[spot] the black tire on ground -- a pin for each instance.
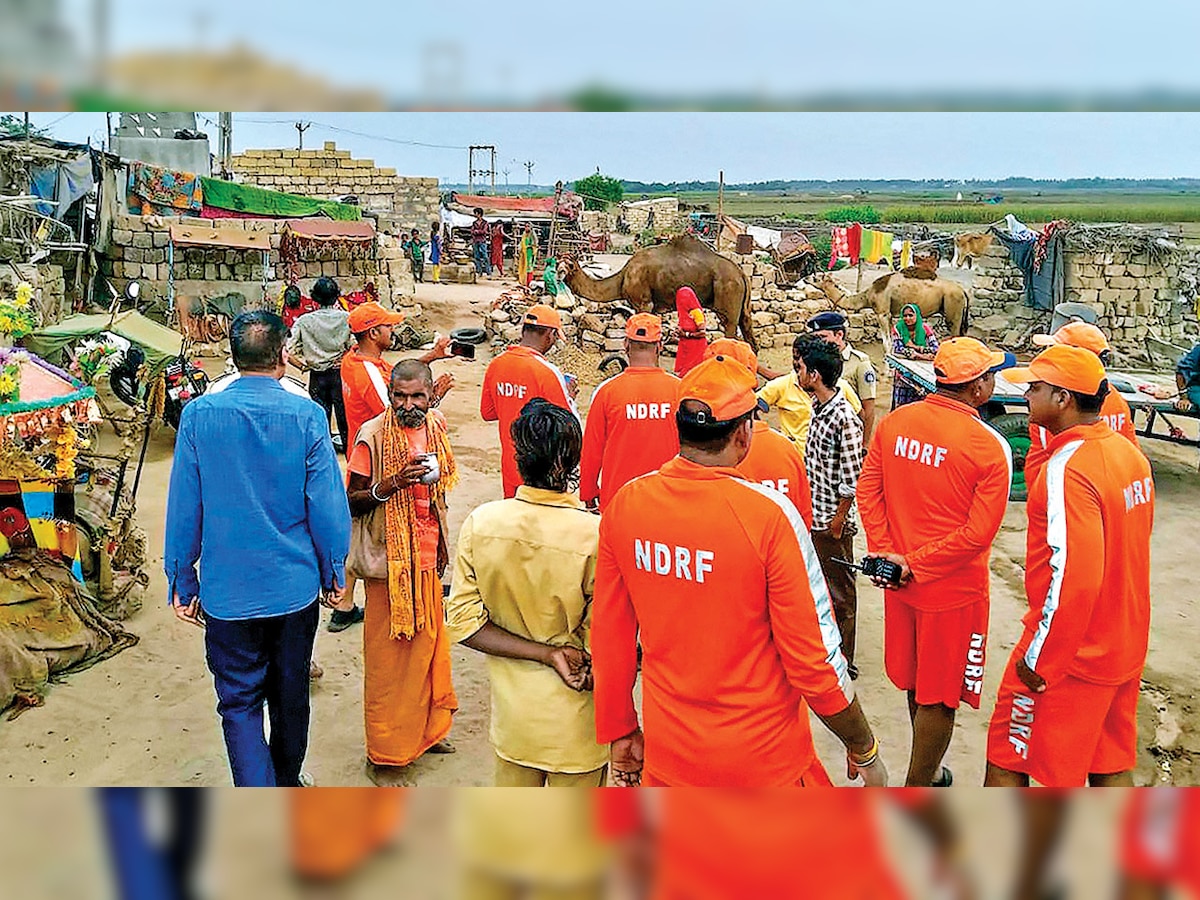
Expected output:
(616, 360)
(1014, 428)
(469, 335)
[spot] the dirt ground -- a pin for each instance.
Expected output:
(147, 716)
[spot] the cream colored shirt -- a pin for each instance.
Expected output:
(528, 564)
(796, 407)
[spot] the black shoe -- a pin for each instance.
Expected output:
(945, 778)
(853, 669)
(340, 621)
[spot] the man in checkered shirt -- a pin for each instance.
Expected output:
(834, 457)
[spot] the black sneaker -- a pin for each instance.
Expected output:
(853, 670)
(340, 621)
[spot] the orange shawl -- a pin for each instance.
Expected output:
(408, 612)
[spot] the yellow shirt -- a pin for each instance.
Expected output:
(795, 406)
(528, 564)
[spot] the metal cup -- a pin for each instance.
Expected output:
(431, 464)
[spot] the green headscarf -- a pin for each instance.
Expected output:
(919, 327)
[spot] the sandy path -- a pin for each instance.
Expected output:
(148, 715)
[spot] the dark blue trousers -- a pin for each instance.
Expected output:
(256, 662)
(145, 869)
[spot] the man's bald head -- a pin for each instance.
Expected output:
(412, 370)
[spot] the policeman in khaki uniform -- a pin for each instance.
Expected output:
(856, 365)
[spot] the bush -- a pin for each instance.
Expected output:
(867, 215)
(598, 191)
(823, 247)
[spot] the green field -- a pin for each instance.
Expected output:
(1078, 206)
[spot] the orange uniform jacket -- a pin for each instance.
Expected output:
(720, 578)
(360, 391)
(1115, 411)
(935, 488)
(1087, 565)
(630, 431)
(513, 378)
(774, 461)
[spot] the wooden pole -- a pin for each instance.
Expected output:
(720, 208)
(558, 189)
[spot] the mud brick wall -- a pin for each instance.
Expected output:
(329, 174)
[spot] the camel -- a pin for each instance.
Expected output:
(969, 246)
(888, 294)
(649, 279)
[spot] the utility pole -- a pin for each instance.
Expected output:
(301, 127)
(225, 150)
(490, 172)
(506, 181)
(529, 164)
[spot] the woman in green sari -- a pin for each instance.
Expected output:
(911, 339)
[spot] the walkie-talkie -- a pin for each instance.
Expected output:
(875, 567)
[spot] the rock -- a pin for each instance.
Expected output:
(590, 322)
(564, 301)
(500, 315)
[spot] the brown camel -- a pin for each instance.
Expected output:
(649, 279)
(890, 293)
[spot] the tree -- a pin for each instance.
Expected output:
(14, 126)
(599, 191)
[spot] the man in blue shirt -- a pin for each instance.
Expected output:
(257, 499)
(1187, 379)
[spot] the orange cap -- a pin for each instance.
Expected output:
(1075, 334)
(543, 315)
(367, 315)
(1063, 366)
(721, 383)
(739, 350)
(964, 359)
(644, 327)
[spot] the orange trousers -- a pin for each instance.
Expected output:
(408, 697)
(336, 829)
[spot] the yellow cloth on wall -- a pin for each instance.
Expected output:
(906, 254)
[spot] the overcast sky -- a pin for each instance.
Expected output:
(665, 146)
(541, 47)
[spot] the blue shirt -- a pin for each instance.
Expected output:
(1189, 367)
(257, 499)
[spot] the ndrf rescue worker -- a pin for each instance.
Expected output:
(518, 375)
(1066, 714)
(1115, 410)
(773, 460)
(932, 495)
(630, 426)
(719, 579)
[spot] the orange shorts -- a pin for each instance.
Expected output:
(1161, 832)
(939, 655)
(1074, 729)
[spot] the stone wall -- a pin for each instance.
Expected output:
(138, 250)
(49, 289)
(665, 209)
(1133, 296)
(404, 202)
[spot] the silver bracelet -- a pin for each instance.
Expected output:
(375, 496)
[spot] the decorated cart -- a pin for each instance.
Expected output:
(50, 578)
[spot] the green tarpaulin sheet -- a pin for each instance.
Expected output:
(246, 198)
(158, 342)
